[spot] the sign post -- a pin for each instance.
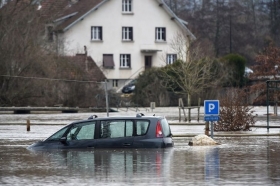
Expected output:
(211, 112)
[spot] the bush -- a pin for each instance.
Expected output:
(235, 113)
(149, 89)
(236, 69)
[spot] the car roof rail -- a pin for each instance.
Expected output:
(140, 115)
(93, 116)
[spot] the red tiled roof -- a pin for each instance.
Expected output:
(74, 67)
(53, 8)
(65, 8)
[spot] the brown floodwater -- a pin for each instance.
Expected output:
(237, 161)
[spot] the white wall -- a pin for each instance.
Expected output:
(147, 15)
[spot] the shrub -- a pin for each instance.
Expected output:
(236, 69)
(235, 113)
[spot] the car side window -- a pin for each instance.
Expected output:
(116, 128)
(141, 127)
(82, 131)
(57, 135)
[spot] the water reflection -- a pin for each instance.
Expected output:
(239, 161)
(212, 165)
(121, 166)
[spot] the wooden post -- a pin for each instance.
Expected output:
(189, 114)
(198, 109)
(152, 105)
(181, 105)
(28, 125)
(179, 114)
(207, 128)
(189, 105)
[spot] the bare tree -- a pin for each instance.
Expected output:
(20, 55)
(26, 57)
(235, 26)
(193, 72)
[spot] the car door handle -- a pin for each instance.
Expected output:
(126, 144)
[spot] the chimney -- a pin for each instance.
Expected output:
(85, 49)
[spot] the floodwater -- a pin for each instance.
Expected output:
(237, 161)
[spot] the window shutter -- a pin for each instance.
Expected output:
(108, 61)
(101, 33)
(121, 60)
(128, 62)
(131, 33)
(156, 34)
(91, 34)
(164, 34)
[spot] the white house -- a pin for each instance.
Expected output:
(124, 37)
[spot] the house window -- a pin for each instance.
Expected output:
(160, 34)
(125, 61)
(96, 33)
(127, 5)
(108, 61)
(127, 33)
(171, 58)
(115, 83)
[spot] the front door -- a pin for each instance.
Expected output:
(148, 62)
(81, 135)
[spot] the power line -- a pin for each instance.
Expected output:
(67, 80)
(51, 79)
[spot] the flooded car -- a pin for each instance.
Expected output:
(111, 132)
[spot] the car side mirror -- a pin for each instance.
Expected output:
(63, 140)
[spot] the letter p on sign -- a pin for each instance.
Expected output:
(211, 107)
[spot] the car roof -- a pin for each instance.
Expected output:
(138, 116)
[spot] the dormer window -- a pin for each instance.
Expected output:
(126, 6)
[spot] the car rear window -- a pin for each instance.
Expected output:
(165, 128)
(142, 127)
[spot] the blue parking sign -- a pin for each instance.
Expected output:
(211, 107)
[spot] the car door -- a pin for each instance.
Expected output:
(115, 134)
(81, 135)
(140, 136)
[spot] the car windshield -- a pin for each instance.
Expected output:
(57, 135)
(132, 82)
